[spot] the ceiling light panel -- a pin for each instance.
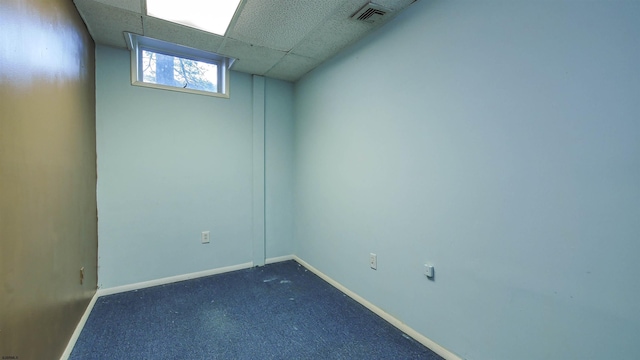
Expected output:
(213, 16)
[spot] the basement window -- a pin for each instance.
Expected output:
(163, 65)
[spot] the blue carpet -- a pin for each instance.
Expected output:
(279, 311)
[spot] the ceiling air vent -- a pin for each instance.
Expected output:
(371, 13)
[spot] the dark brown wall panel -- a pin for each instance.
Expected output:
(48, 227)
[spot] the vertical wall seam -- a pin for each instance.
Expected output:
(258, 198)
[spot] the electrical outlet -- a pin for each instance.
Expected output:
(428, 271)
(205, 237)
(373, 261)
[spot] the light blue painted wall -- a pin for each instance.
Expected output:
(171, 165)
(279, 167)
(499, 141)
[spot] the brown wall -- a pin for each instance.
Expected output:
(48, 227)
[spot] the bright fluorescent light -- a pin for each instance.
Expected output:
(209, 15)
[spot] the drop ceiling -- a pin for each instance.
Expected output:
(282, 39)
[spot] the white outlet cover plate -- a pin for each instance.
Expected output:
(205, 237)
(373, 261)
(428, 270)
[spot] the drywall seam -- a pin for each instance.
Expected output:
(258, 143)
(448, 355)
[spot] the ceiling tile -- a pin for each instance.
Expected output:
(251, 59)
(395, 5)
(292, 67)
(283, 39)
(181, 35)
(280, 24)
(336, 33)
(106, 24)
(341, 30)
(130, 5)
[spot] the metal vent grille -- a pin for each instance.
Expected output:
(371, 13)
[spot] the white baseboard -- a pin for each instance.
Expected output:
(448, 355)
(142, 285)
(279, 259)
(172, 279)
(78, 330)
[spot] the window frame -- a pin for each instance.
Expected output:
(138, 43)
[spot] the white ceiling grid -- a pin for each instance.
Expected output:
(283, 39)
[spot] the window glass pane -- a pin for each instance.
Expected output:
(178, 72)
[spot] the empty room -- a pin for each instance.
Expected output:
(339, 179)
